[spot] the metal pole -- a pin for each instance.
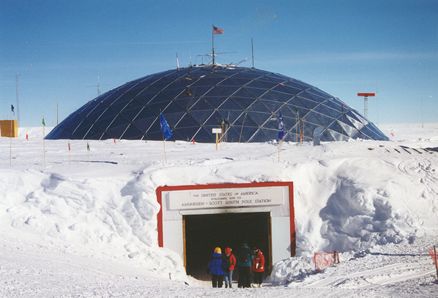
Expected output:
(252, 52)
(98, 85)
(212, 44)
(279, 149)
(241, 127)
(297, 129)
(365, 106)
(10, 146)
(164, 150)
(57, 115)
(177, 62)
(421, 112)
(44, 148)
(436, 261)
(17, 97)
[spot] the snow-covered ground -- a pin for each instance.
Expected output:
(83, 223)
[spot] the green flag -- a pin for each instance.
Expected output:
(43, 122)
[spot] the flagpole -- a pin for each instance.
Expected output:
(88, 152)
(17, 98)
(44, 145)
(212, 44)
(164, 150)
(252, 52)
(177, 62)
(10, 151)
(10, 147)
(167, 133)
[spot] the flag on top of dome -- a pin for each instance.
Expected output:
(217, 30)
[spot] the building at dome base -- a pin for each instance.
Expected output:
(248, 104)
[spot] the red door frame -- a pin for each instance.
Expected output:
(160, 189)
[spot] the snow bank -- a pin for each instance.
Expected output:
(107, 217)
(101, 203)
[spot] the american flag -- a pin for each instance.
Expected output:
(217, 30)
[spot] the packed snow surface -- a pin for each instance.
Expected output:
(83, 222)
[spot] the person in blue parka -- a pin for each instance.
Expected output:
(215, 268)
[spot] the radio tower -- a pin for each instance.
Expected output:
(365, 96)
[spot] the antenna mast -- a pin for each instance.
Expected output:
(177, 62)
(365, 101)
(98, 85)
(17, 98)
(252, 52)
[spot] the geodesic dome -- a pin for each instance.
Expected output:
(246, 103)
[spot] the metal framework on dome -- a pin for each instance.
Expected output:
(244, 102)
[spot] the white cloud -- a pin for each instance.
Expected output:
(354, 57)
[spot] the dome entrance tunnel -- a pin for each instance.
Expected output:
(205, 232)
(194, 219)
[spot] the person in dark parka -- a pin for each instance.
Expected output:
(215, 267)
(244, 262)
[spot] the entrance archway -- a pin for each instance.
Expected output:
(206, 231)
(193, 219)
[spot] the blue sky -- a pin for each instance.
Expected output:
(61, 48)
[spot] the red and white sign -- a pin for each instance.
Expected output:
(324, 260)
(273, 197)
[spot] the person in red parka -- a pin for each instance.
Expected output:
(258, 266)
(230, 264)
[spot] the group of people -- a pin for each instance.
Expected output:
(222, 266)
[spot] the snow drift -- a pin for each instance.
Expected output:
(349, 196)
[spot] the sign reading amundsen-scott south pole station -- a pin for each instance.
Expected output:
(224, 198)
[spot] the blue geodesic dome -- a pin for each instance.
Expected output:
(246, 103)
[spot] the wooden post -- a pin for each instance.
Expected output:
(435, 261)
(335, 257)
(217, 131)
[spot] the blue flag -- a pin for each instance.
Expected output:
(165, 128)
(281, 131)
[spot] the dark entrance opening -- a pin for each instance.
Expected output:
(205, 232)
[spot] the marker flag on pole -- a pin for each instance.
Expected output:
(88, 147)
(43, 122)
(69, 147)
(217, 30)
(12, 109)
(281, 132)
(165, 128)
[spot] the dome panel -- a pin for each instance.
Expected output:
(198, 98)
